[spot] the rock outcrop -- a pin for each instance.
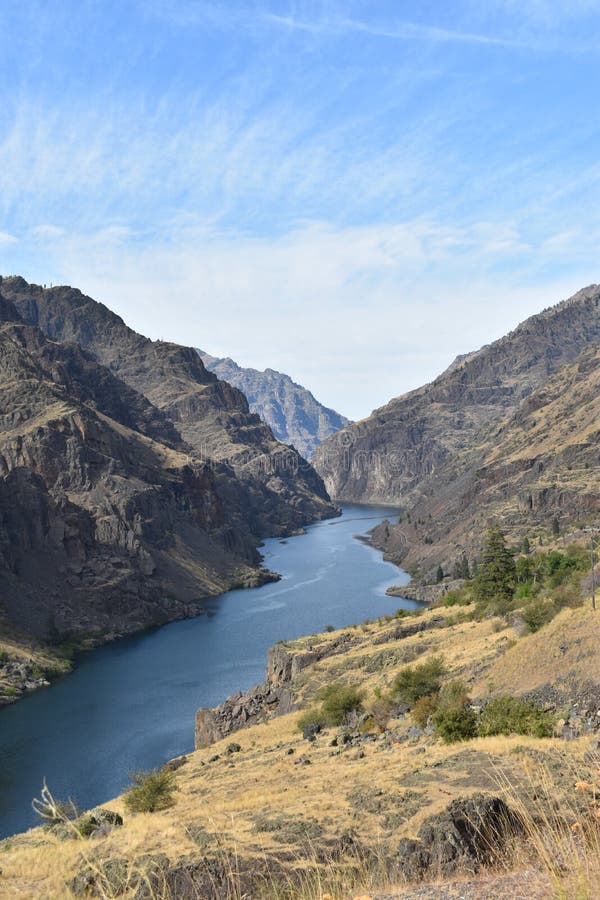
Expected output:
(275, 697)
(290, 410)
(111, 520)
(470, 834)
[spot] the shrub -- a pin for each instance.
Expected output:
(423, 709)
(51, 811)
(538, 613)
(415, 682)
(455, 724)
(339, 699)
(453, 695)
(380, 709)
(311, 721)
(151, 791)
(513, 715)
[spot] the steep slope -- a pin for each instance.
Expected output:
(108, 523)
(542, 463)
(290, 410)
(283, 492)
(387, 457)
(376, 807)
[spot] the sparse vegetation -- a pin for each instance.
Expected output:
(338, 700)
(151, 791)
(513, 715)
(414, 682)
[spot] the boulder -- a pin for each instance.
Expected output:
(471, 833)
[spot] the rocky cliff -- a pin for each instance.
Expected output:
(386, 457)
(508, 433)
(541, 464)
(111, 520)
(289, 409)
(283, 491)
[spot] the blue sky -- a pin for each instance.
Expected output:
(352, 192)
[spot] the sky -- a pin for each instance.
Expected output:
(350, 192)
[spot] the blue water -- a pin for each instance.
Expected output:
(130, 705)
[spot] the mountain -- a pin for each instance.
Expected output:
(291, 411)
(493, 436)
(132, 481)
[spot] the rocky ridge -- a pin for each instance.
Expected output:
(290, 410)
(507, 433)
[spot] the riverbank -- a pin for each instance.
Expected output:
(148, 686)
(26, 667)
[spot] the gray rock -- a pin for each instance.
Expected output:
(470, 833)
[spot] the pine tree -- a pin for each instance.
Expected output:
(555, 527)
(439, 576)
(496, 575)
(526, 546)
(464, 566)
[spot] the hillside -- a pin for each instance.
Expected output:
(374, 807)
(289, 409)
(541, 464)
(212, 418)
(110, 520)
(508, 434)
(386, 457)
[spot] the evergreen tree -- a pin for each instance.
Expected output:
(464, 567)
(526, 546)
(439, 576)
(496, 575)
(555, 527)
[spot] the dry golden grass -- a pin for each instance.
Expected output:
(564, 652)
(378, 790)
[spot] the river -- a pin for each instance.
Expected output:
(130, 705)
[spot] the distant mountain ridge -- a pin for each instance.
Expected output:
(290, 410)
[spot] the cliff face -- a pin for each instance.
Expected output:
(289, 409)
(541, 463)
(388, 456)
(110, 520)
(282, 491)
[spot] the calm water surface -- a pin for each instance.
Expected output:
(130, 705)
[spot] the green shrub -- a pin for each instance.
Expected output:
(151, 791)
(339, 699)
(313, 716)
(453, 695)
(415, 682)
(455, 724)
(513, 715)
(538, 613)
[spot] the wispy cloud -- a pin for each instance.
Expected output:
(398, 30)
(348, 311)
